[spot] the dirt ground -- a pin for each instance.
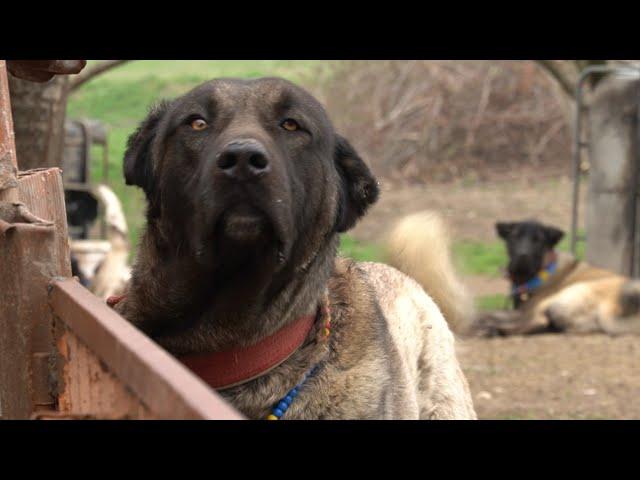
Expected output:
(552, 376)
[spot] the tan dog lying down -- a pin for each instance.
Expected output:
(556, 292)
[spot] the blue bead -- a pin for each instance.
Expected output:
(293, 392)
(283, 406)
(277, 412)
(288, 399)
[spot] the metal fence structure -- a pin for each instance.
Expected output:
(613, 210)
(64, 353)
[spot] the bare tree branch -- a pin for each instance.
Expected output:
(567, 84)
(88, 73)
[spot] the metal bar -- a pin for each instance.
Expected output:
(105, 163)
(166, 386)
(575, 199)
(86, 135)
(105, 179)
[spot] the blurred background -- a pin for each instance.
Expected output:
(478, 141)
(475, 140)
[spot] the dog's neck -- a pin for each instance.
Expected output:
(565, 265)
(228, 310)
(522, 292)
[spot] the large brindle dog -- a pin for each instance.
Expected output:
(555, 292)
(248, 188)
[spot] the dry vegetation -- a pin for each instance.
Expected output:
(424, 121)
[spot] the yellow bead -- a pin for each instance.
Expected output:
(544, 275)
(272, 417)
(326, 332)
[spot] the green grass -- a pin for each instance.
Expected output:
(564, 245)
(360, 251)
(477, 258)
(470, 257)
(121, 98)
(489, 258)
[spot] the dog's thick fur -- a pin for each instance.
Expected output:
(237, 246)
(578, 298)
(418, 245)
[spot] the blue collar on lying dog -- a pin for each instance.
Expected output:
(535, 282)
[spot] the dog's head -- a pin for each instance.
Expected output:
(527, 243)
(238, 166)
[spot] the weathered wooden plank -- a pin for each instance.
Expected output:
(156, 378)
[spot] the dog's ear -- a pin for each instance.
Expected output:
(552, 235)
(138, 162)
(358, 188)
(504, 229)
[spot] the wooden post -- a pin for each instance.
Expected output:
(33, 249)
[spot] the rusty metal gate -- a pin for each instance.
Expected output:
(63, 352)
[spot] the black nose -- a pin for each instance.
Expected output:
(243, 159)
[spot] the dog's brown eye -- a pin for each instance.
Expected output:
(199, 124)
(290, 124)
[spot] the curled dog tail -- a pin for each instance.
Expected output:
(419, 246)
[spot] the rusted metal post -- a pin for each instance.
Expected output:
(33, 249)
(8, 163)
(64, 353)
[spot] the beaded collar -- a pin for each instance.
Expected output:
(280, 408)
(522, 292)
(283, 405)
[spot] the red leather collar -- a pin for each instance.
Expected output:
(233, 367)
(239, 365)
